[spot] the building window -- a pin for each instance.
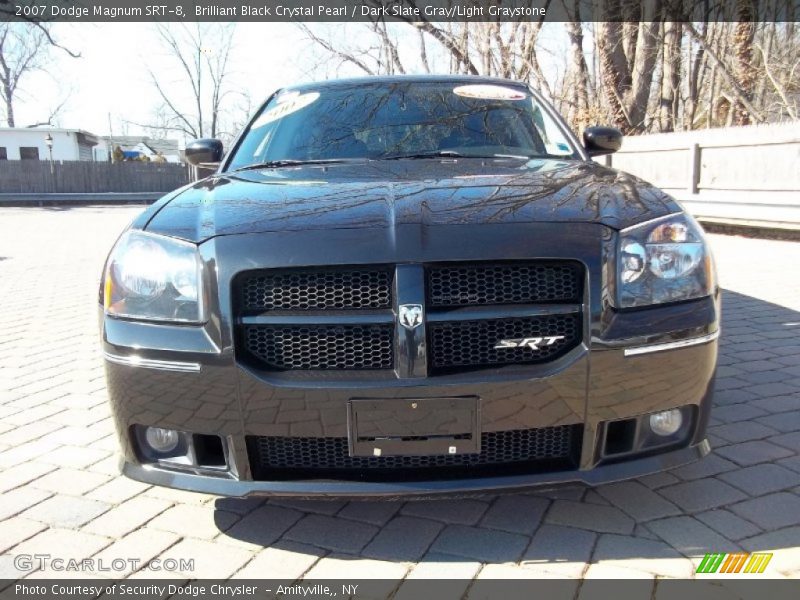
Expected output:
(29, 153)
(3, 153)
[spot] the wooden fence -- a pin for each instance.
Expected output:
(36, 177)
(734, 173)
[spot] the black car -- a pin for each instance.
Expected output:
(408, 286)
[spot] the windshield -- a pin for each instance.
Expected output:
(404, 119)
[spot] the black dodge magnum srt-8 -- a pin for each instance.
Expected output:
(408, 286)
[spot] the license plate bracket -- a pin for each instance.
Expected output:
(413, 426)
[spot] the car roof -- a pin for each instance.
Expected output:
(389, 79)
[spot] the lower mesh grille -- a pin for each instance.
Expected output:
(298, 347)
(502, 452)
(463, 344)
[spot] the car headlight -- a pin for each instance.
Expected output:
(664, 260)
(154, 278)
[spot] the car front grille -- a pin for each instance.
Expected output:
(344, 317)
(472, 344)
(322, 347)
(350, 288)
(502, 452)
(486, 284)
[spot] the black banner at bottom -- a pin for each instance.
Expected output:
(411, 589)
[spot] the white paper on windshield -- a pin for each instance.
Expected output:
(285, 107)
(489, 92)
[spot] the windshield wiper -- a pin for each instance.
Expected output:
(293, 162)
(432, 154)
(447, 154)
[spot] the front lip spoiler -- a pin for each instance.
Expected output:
(354, 489)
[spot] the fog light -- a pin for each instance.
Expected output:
(667, 422)
(161, 440)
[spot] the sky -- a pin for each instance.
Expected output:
(108, 89)
(111, 76)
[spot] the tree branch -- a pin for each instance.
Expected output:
(336, 52)
(737, 92)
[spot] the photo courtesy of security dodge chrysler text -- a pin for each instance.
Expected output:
(408, 286)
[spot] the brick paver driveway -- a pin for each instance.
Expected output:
(60, 492)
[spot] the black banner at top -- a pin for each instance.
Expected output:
(398, 10)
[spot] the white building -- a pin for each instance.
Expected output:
(20, 143)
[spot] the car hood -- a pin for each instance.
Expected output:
(428, 192)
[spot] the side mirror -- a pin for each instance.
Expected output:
(204, 153)
(602, 140)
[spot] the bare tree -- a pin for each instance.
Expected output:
(671, 67)
(506, 49)
(367, 60)
(53, 113)
(628, 52)
(781, 66)
(577, 84)
(725, 74)
(648, 67)
(743, 49)
(193, 103)
(25, 48)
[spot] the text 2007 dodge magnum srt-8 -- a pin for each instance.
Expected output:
(399, 285)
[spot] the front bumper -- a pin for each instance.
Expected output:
(401, 489)
(589, 387)
(628, 364)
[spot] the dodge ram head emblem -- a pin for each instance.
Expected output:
(534, 343)
(410, 315)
